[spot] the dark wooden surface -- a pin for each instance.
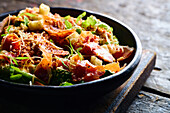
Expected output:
(149, 19)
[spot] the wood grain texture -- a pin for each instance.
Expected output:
(149, 103)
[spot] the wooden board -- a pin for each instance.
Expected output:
(149, 103)
(116, 101)
(130, 89)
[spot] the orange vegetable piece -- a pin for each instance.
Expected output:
(113, 67)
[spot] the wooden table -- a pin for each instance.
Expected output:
(150, 20)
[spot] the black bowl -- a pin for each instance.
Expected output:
(96, 88)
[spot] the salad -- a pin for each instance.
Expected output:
(41, 48)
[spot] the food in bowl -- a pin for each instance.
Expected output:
(41, 48)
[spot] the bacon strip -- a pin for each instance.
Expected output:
(95, 49)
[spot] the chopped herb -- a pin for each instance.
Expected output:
(15, 61)
(78, 31)
(68, 24)
(62, 62)
(67, 17)
(105, 26)
(71, 46)
(29, 14)
(80, 17)
(114, 37)
(3, 34)
(80, 48)
(106, 43)
(26, 21)
(90, 21)
(51, 41)
(15, 68)
(15, 77)
(93, 32)
(21, 58)
(111, 29)
(11, 71)
(27, 76)
(9, 27)
(71, 51)
(12, 59)
(65, 84)
(115, 40)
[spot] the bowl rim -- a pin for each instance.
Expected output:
(134, 62)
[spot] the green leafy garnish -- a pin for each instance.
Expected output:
(9, 27)
(62, 62)
(108, 28)
(68, 24)
(60, 75)
(3, 34)
(51, 41)
(12, 59)
(27, 76)
(90, 21)
(15, 77)
(73, 51)
(80, 48)
(78, 31)
(115, 40)
(111, 29)
(28, 14)
(21, 58)
(71, 48)
(107, 43)
(65, 84)
(67, 17)
(15, 68)
(26, 21)
(93, 32)
(80, 17)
